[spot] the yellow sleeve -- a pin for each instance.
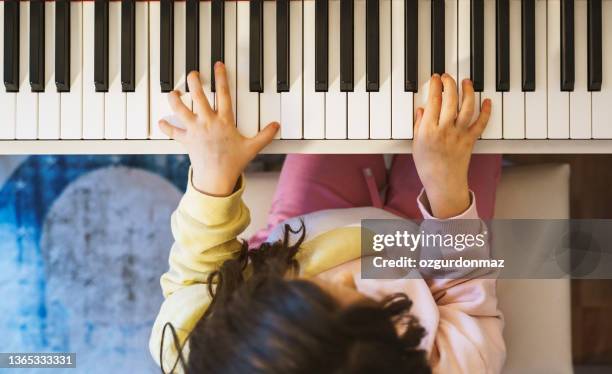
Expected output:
(205, 230)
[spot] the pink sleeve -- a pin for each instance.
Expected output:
(468, 337)
(470, 213)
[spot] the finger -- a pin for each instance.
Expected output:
(224, 100)
(480, 124)
(172, 132)
(178, 106)
(434, 101)
(418, 117)
(264, 137)
(467, 106)
(448, 115)
(200, 101)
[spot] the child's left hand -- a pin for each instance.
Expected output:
(218, 152)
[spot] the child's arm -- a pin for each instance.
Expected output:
(467, 336)
(211, 213)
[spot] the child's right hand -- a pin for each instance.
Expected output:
(443, 141)
(217, 151)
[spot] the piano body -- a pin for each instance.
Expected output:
(342, 76)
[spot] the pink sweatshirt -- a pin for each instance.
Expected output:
(463, 323)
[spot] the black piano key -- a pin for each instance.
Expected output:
(282, 45)
(347, 24)
(321, 45)
(594, 44)
(256, 45)
(192, 38)
(128, 45)
(101, 45)
(62, 45)
(528, 45)
(567, 45)
(437, 37)
(217, 50)
(37, 45)
(411, 45)
(477, 44)
(166, 45)
(11, 45)
(372, 45)
(502, 43)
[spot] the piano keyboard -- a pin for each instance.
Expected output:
(339, 75)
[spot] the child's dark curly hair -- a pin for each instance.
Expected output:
(269, 322)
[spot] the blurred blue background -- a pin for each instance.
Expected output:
(83, 242)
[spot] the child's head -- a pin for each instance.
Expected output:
(271, 321)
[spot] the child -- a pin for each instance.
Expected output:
(295, 303)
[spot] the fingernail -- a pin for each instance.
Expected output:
(436, 75)
(218, 64)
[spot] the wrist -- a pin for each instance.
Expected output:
(213, 186)
(450, 204)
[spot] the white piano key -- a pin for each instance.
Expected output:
(380, 102)
(205, 47)
(601, 101)
(27, 101)
(49, 101)
(401, 101)
(71, 103)
(158, 100)
(558, 101)
(269, 100)
(536, 101)
(291, 102)
(420, 98)
(137, 102)
(463, 41)
(247, 103)
(314, 102)
(230, 49)
(450, 37)
(115, 102)
(514, 100)
(335, 100)
(7, 99)
(93, 102)
(580, 98)
(464, 51)
(358, 100)
(494, 127)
